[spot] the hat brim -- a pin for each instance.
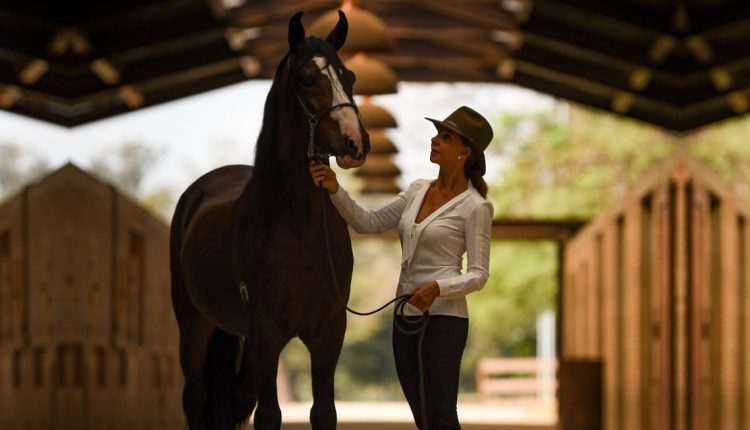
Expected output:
(478, 154)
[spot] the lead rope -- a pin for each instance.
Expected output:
(401, 302)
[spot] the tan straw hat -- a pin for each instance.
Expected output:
(474, 128)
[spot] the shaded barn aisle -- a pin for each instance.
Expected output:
(656, 290)
(87, 334)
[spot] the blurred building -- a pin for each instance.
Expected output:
(655, 304)
(88, 338)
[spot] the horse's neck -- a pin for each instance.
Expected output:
(286, 185)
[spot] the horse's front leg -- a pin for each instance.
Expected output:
(265, 364)
(325, 348)
(245, 396)
(194, 338)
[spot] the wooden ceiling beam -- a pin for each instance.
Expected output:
(651, 18)
(155, 11)
(604, 94)
(108, 42)
(494, 18)
(585, 20)
(179, 44)
(470, 46)
(79, 110)
(718, 16)
(256, 14)
(550, 31)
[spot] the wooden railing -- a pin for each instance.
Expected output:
(516, 380)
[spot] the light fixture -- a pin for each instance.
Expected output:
(105, 71)
(374, 116)
(622, 102)
(373, 76)
(251, 66)
(237, 38)
(366, 32)
(69, 39)
(640, 78)
(661, 48)
(512, 39)
(738, 102)
(9, 95)
(506, 69)
(33, 71)
(721, 78)
(699, 47)
(131, 96)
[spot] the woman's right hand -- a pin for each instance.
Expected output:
(323, 176)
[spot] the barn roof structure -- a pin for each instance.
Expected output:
(679, 64)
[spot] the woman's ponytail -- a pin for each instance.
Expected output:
(470, 170)
(478, 182)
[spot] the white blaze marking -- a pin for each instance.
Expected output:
(345, 115)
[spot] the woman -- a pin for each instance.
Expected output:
(438, 222)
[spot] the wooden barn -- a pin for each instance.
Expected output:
(88, 339)
(656, 290)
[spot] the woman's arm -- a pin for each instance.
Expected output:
(362, 220)
(478, 234)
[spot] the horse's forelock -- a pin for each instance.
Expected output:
(314, 46)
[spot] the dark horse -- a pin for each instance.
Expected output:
(248, 254)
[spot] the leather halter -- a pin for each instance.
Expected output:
(314, 118)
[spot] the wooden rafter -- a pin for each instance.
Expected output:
(629, 56)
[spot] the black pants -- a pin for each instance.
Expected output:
(442, 348)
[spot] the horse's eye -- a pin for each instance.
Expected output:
(307, 81)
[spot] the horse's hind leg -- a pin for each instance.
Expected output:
(194, 339)
(325, 349)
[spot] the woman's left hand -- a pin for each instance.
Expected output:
(423, 296)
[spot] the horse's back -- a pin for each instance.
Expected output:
(217, 188)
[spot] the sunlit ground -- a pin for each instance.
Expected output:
(397, 416)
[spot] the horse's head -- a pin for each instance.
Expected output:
(324, 90)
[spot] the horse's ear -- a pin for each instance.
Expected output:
(337, 37)
(296, 32)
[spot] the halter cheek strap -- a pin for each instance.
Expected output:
(313, 119)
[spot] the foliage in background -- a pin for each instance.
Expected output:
(725, 149)
(522, 284)
(19, 167)
(127, 167)
(574, 166)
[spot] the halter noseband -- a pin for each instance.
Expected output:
(313, 119)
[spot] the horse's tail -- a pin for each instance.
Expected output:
(221, 380)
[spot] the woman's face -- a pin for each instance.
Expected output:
(447, 147)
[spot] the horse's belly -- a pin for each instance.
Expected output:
(207, 265)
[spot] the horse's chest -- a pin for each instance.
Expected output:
(303, 242)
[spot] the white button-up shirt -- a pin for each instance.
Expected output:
(433, 249)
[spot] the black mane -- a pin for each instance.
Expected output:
(284, 127)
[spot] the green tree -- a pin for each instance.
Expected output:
(724, 149)
(574, 167)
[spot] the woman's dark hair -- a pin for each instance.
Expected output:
(471, 172)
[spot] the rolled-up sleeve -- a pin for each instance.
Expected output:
(478, 233)
(369, 221)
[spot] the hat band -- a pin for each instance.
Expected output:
(457, 129)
